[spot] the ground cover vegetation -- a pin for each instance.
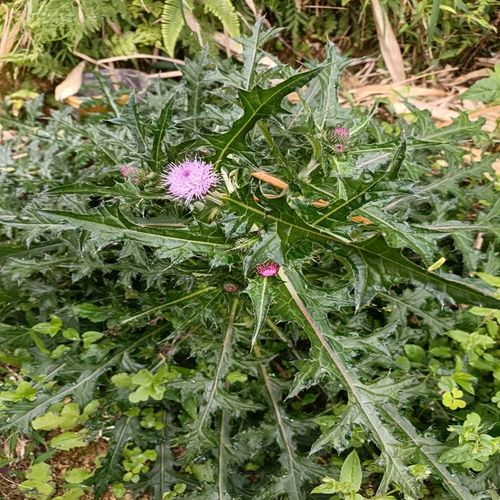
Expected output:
(45, 38)
(233, 287)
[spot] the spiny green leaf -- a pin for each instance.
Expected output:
(316, 325)
(157, 154)
(399, 234)
(111, 223)
(258, 291)
(257, 103)
(374, 262)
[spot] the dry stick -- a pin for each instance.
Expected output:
(126, 58)
(165, 74)
(389, 47)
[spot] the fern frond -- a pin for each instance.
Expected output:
(172, 22)
(224, 11)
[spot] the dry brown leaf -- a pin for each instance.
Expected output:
(9, 34)
(389, 46)
(7, 135)
(395, 90)
(361, 220)
(269, 179)
(193, 25)
(474, 75)
(252, 7)
(71, 84)
(496, 166)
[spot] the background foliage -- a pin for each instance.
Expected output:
(368, 368)
(41, 36)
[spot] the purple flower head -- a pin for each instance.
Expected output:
(127, 171)
(191, 179)
(341, 133)
(268, 269)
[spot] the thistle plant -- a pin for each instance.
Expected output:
(190, 180)
(272, 329)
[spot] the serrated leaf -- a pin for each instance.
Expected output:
(177, 244)
(399, 234)
(430, 450)
(258, 290)
(315, 324)
(124, 430)
(119, 190)
(374, 263)
(485, 90)
(257, 103)
(157, 154)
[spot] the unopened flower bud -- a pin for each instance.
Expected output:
(230, 288)
(339, 148)
(340, 134)
(127, 171)
(268, 269)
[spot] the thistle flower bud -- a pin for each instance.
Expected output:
(340, 133)
(268, 269)
(230, 287)
(127, 171)
(339, 148)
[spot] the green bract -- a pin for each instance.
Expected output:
(207, 374)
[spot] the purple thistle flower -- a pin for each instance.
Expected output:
(268, 269)
(191, 179)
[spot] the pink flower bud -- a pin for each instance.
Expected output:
(341, 133)
(268, 269)
(127, 171)
(230, 287)
(338, 148)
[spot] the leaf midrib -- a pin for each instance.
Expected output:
(69, 216)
